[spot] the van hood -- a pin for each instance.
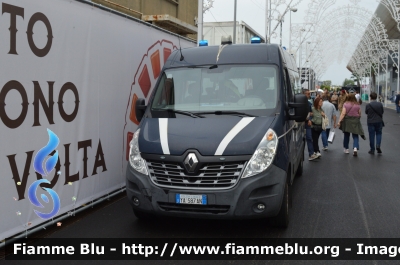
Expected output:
(228, 136)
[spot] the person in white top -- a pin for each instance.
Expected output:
(330, 112)
(358, 96)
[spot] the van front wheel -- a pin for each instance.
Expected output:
(282, 219)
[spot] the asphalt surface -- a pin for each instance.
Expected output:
(338, 196)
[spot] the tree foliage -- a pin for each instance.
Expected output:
(348, 82)
(327, 83)
(354, 78)
(323, 87)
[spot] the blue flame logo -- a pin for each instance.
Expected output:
(44, 152)
(50, 163)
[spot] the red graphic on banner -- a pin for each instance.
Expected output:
(167, 53)
(155, 63)
(132, 115)
(144, 81)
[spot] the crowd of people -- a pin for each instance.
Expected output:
(322, 120)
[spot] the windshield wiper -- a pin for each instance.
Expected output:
(196, 66)
(220, 112)
(193, 115)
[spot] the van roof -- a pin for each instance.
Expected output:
(230, 54)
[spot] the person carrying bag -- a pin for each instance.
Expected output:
(329, 121)
(317, 124)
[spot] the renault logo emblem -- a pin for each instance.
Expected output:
(191, 162)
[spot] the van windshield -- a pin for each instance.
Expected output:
(249, 89)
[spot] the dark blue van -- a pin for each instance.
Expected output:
(221, 137)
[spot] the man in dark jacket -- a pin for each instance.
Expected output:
(374, 111)
(397, 101)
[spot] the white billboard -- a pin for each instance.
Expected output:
(73, 70)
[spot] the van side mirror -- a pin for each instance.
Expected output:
(300, 106)
(140, 108)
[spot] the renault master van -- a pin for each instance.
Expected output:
(222, 135)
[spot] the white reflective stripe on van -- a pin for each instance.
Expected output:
(163, 128)
(232, 133)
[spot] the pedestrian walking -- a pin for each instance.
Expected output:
(308, 123)
(342, 99)
(329, 110)
(318, 115)
(334, 100)
(397, 102)
(349, 122)
(326, 92)
(374, 111)
(358, 97)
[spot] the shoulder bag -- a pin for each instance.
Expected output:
(383, 123)
(318, 127)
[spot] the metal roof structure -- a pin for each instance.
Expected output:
(390, 25)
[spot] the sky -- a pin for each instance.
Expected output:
(252, 12)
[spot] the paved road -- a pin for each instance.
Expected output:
(337, 196)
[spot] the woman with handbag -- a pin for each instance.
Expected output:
(317, 120)
(349, 122)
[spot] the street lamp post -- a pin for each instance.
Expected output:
(291, 9)
(379, 77)
(398, 70)
(290, 28)
(307, 61)
(370, 83)
(234, 24)
(386, 77)
(199, 22)
(300, 59)
(266, 22)
(281, 20)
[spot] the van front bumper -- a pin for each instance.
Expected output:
(240, 202)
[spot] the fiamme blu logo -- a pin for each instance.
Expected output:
(43, 164)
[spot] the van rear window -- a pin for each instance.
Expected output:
(218, 88)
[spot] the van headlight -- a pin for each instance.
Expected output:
(263, 156)
(135, 159)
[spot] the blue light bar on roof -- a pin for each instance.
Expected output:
(203, 43)
(256, 40)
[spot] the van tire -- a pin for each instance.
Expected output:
(282, 219)
(299, 171)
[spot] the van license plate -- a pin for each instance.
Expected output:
(191, 199)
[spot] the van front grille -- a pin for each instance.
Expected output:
(210, 175)
(213, 209)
